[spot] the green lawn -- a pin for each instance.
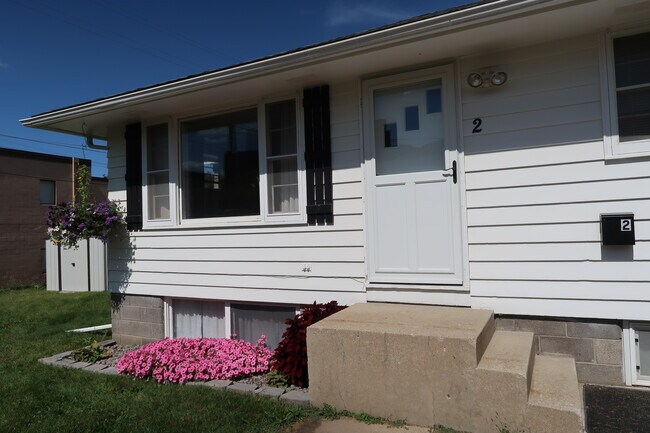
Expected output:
(39, 398)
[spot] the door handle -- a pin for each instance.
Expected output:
(454, 171)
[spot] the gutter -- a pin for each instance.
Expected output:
(289, 60)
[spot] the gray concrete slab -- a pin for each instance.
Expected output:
(96, 367)
(242, 387)
(219, 383)
(296, 397)
(110, 371)
(270, 391)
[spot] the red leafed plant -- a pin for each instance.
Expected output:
(291, 354)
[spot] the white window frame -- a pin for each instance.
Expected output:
(630, 353)
(148, 223)
(614, 148)
(301, 215)
(264, 218)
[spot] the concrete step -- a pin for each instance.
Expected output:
(502, 381)
(554, 403)
(399, 361)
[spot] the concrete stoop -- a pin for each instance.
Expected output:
(440, 366)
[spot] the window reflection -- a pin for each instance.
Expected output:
(220, 167)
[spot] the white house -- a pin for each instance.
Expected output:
(464, 157)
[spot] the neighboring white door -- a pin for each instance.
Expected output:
(74, 268)
(414, 225)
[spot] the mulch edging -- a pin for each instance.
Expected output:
(245, 386)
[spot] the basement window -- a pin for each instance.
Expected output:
(213, 319)
(196, 319)
(636, 343)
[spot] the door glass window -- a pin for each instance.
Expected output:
(409, 129)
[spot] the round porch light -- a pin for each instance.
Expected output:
(475, 80)
(498, 78)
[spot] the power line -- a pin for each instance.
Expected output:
(71, 146)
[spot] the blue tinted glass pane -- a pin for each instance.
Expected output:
(390, 135)
(411, 118)
(434, 101)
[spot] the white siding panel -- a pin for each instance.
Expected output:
(562, 271)
(542, 136)
(252, 240)
(305, 254)
(268, 295)
(539, 156)
(543, 118)
(240, 281)
(549, 252)
(321, 269)
(537, 182)
(536, 101)
(594, 290)
(593, 171)
(627, 189)
(555, 213)
(548, 233)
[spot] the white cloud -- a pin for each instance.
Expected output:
(342, 14)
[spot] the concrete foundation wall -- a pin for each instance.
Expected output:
(137, 319)
(597, 347)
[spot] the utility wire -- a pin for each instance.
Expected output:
(71, 146)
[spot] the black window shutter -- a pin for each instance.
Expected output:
(133, 176)
(318, 155)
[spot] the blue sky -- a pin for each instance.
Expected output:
(59, 53)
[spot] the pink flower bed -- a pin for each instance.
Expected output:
(181, 360)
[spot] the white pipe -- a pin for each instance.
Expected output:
(92, 328)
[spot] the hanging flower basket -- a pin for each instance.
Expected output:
(67, 224)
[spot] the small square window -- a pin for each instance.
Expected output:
(412, 118)
(48, 192)
(434, 101)
(390, 135)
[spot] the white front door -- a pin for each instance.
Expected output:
(414, 225)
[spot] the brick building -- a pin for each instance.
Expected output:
(29, 183)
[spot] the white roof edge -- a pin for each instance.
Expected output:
(291, 59)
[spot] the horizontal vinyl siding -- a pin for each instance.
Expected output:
(256, 263)
(537, 182)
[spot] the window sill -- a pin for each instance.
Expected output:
(230, 223)
(617, 150)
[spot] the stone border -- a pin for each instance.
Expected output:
(290, 396)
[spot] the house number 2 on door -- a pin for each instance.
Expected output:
(477, 125)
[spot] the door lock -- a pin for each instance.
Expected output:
(454, 171)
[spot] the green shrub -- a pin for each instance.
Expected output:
(92, 353)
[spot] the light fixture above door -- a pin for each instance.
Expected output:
(487, 78)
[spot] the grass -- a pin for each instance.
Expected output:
(40, 398)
